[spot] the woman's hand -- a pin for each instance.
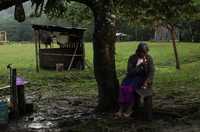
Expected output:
(144, 60)
(140, 61)
(145, 85)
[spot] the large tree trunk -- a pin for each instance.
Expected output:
(104, 56)
(173, 34)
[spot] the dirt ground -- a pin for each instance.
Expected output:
(75, 114)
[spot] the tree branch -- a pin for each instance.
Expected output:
(4, 4)
(89, 3)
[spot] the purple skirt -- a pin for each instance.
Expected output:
(128, 89)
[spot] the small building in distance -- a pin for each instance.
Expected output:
(121, 36)
(69, 52)
(163, 34)
(3, 37)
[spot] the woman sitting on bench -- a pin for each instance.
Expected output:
(139, 75)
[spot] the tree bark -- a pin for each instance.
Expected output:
(173, 34)
(104, 56)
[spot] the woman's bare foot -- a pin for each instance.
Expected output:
(127, 114)
(118, 115)
(129, 111)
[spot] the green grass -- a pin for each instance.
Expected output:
(183, 84)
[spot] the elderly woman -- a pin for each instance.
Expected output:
(140, 74)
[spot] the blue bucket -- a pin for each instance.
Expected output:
(3, 112)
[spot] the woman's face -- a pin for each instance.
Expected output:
(142, 54)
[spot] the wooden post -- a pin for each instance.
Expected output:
(5, 36)
(21, 99)
(39, 39)
(13, 97)
(148, 108)
(36, 50)
(73, 57)
(83, 53)
(146, 95)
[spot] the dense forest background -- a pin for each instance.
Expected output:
(189, 30)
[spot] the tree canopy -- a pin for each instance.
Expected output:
(105, 14)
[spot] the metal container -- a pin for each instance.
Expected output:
(3, 112)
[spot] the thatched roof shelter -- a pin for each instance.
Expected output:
(71, 52)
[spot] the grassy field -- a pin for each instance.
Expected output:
(167, 78)
(174, 90)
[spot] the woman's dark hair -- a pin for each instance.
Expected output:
(142, 47)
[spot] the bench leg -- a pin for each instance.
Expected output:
(137, 101)
(148, 108)
(21, 100)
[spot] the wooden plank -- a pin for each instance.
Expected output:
(144, 92)
(36, 50)
(72, 60)
(5, 87)
(55, 54)
(8, 86)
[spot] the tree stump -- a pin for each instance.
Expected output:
(59, 67)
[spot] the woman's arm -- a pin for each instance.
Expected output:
(150, 72)
(131, 68)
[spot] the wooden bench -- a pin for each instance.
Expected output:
(146, 96)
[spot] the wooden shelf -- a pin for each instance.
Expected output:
(54, 54)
